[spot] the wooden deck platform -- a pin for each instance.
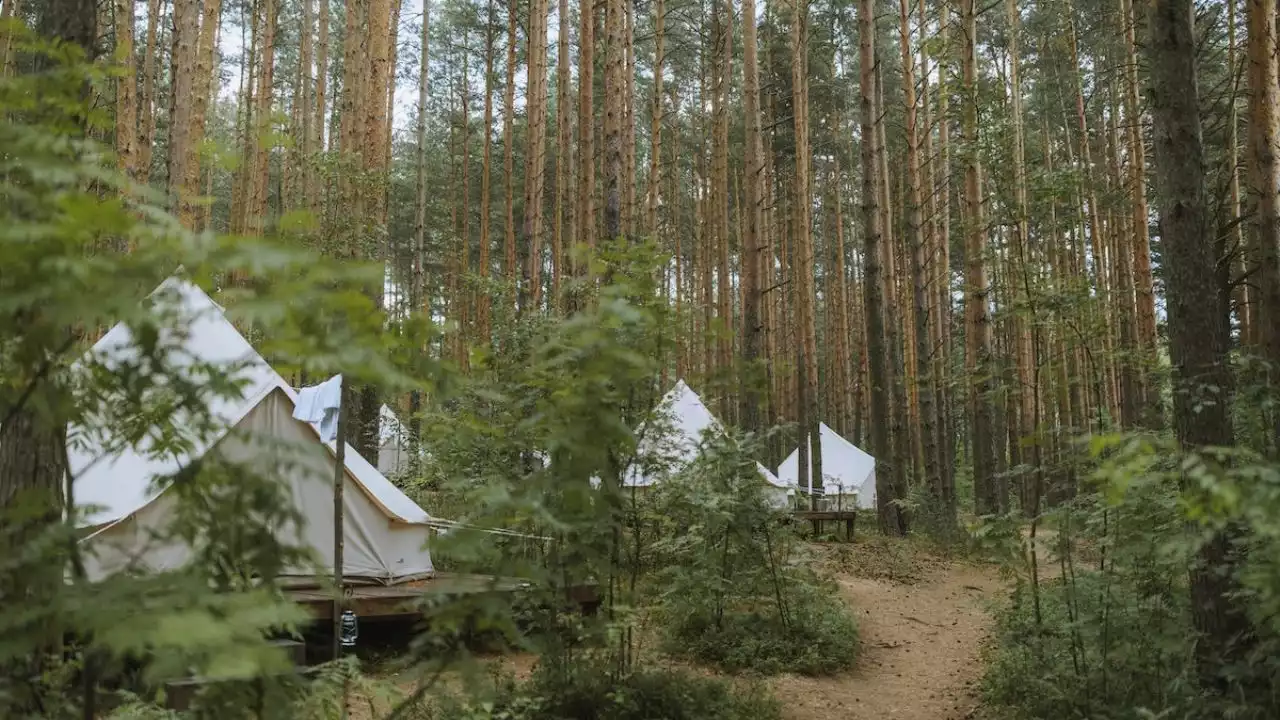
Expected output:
(387, 601)
(817, 517)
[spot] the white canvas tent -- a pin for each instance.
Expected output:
(849, 473)
(688, 420)
(385, 532)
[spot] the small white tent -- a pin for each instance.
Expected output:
(688, 419)
(385, 532)
(394, 443)
(846, 470)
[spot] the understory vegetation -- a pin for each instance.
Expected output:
(1104, 627)
(584, 690)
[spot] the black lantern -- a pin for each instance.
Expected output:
(350, 629)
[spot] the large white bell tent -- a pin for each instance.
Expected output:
(849, 473)
(126, 513)
(685, 419)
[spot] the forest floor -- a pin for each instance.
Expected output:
(923, 621)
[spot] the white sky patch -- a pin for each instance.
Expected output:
(231, 46)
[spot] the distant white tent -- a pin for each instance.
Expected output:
(394, 444)
(688, 420)
(847, 471)
(385, 532)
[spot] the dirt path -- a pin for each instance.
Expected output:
(922, 623)
(921, 646)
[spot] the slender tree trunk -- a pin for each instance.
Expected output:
(184, 85)
(322, 81)
(917, 243)
(261, 169)
(629, 120)
(126, 84)
(614, 87)
(147, 95)
(944, 302)
(751, 258)
(484, 270)
(876, 349)
(536, 143)
(1144, 292)
(1264, 177)
(807, 366)
(978, 340)
(304, 102)
(564, 152)
(1243, 293)
(1023, 396)
(586, 126)
(511, 269)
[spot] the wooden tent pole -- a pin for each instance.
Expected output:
(338, 544)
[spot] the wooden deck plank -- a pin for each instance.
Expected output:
(399, 600)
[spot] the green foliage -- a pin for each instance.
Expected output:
(1111, 634)
(733, 592)
(585, 691)
(81, 247)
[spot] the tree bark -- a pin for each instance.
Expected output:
(751, 258)
(511, 270)
(1198, 339)
(1264, 179)
(126, 84)
(482, 299)
(931, 463)
(978, 340)
(536, 143)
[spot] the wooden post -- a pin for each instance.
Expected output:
(338, 545)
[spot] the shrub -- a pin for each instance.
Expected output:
(817, 635)
(732, 592)
(585, 689)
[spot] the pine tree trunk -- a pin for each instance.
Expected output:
(1144, 291)
(564, 223)
(126, 83)
(751, 257)
(1198, 338)
(586, 127)
(482, 299)
(807, 366)
(147, 95)
(1264, 177)
(322, 82)
(722, 60)
(629, 121)
(916, 240)
(978, 340)
(419, 298)
(946, 416)
(1022, 393)
(614, 87)
(304, 102)
(511, 271)
(257, 201)
(876, 348)
(536, 143)
(184, 85)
